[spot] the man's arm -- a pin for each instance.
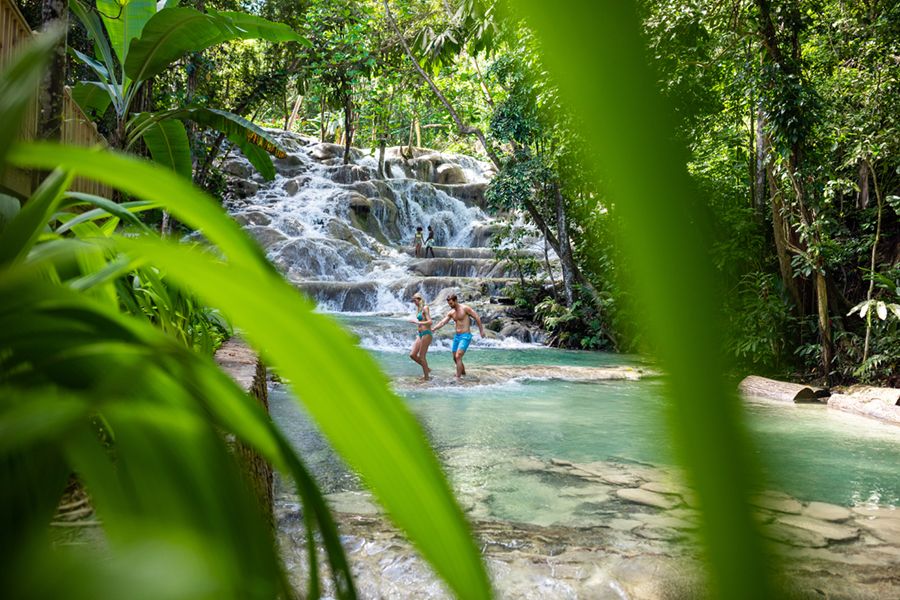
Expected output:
(442, 322)
(475, 316)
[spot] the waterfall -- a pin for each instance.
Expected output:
(345, 237)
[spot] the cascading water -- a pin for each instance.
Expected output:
(344, 236)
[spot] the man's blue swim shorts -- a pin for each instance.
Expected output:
(461, 341)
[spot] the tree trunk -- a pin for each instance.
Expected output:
(462, 128)
(294, 113)
(565, 257)
(322, 119)
(348, 126)
(54, 13)
(382, 144)
(762, 151)
(780, 234)
(872, 263)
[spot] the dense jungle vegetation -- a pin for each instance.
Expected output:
(788, 109)
(786, 119)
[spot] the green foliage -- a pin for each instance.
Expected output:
(601, 69)
(759, 311)
(143, 419)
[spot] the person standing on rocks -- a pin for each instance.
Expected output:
(429, 243)
(417, 240)
(423, 337)
(462, 315)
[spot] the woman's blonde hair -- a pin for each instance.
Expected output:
(418, 296)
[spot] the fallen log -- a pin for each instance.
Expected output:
(781, 391)
(874, 408)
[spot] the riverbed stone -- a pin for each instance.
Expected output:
(794, 536)
(662, 487)
(778, 502)
(831, 531)
(623, 524)
(885, 529)
(826, 512)
(646, 497)
(881, 512)
(610, 473)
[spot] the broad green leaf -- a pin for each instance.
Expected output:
(602, 70)
(99, 69)
(91, 21)
(23, 231)
(370, 426)
(178, 380)
(252, 27)
(124, 20)
(252, 140)
(168, 143)
(105, 207)
(94, 97)
(169, 190)
(173, 32)
(19, 84)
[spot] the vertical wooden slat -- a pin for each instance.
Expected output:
(76, 129)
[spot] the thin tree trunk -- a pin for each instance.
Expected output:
(54, 13)
(762, 151)
(779, 231)
(462, 128)
(550, 270)
(568, 264)
(872, 263)
(348, 126)
(322, 119)
(294, 113)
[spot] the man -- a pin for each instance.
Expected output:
(462, 314)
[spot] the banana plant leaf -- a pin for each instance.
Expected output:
(91, 21)
(173, 32)
(94, 97)
(252, 140)
(168, 143)
(124, 21)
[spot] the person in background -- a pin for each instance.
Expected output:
(429, 243)
(417, 240)
(462, 314)
(423, 336)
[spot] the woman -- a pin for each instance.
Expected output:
(418, 240)
(423, 338)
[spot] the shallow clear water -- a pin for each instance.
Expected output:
(483, 432)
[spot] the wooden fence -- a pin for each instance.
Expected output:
(77, 129)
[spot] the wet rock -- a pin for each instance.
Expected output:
(253, 218)
(359, 204)
(325, 151)
(885, 529)
(471, 194)
(830, 531)
(450, 174)
(826, 512)
(777, 502)
(793, 536)
(881, 512)
(288, 162)
(239, 167)
(244, 188)
(266, 236)
(611, 473)
(646, 497)
(661, 487)
(348, 173)
(291, 186)
(623, 524)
